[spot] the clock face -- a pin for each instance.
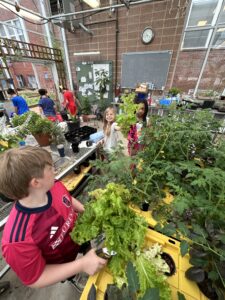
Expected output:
(147, 35)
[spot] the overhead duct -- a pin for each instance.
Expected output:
(64, 7)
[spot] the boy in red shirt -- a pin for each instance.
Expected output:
(36, 241)
(69, 101)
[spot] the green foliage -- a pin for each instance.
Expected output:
(132, 278)
(85, 106)
(182, 155)
(174, 91)
(8, 141)
(128, 117)
(108, 212)
(102, 81)
(33, 123)
(180, 296)
(150, 278)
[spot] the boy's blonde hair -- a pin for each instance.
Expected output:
(106, 128)
(18, 167)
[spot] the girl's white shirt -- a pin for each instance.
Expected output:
(110, 142)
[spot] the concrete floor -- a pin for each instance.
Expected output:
(17, 291)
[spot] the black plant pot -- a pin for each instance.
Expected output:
(75, 147)
(73, 125)
(145, 206)
(76, 170)
(207, 289)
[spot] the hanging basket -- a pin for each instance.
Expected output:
(43, 139)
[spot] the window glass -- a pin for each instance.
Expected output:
(204, 15)
(20, 80)
(10, 28)
(219, 39)
(14, 30)
(2, 31)
(222, 16)
(195, 39)
(202, 12)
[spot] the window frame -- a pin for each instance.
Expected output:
(11, 23)
(211, 27)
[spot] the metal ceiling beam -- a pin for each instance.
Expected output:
(60, 16)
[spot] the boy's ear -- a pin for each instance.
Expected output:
(34, 183)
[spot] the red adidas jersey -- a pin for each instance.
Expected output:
(34, 237)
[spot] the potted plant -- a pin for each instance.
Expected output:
(124, 232)
(40, 127)
(180, 155)
(85, 108)
(174, 91)
(73, 122)
(102, 82)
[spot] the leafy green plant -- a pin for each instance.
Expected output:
(8, 141)
(85, 106)
(127, 117)
(36, 124)
(174, 91)
(102, 81)
(124, 230)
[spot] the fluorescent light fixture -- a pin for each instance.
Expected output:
(202, 23)
(86, 53)
(92, 3)
(23, 12)
(220, 29)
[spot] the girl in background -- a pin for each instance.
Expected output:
(110, 129)
(134, 144)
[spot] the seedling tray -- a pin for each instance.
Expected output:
(80, 134)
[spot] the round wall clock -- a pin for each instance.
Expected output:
(147, 35)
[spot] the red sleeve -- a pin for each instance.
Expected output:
(26, 261)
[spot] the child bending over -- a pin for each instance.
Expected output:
(36, 241)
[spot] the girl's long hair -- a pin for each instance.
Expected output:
(106, 128)
(138, 101)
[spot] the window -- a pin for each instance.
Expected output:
(20, 80)
(204, 15)
(32, 81)
(12, 29)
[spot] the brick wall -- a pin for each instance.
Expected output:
(36, 35)
(158, 15)
(189, 67)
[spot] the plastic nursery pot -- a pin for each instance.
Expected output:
(77, 169)
(85, 163)
(207, 289)
(75, 147)
(145, 206)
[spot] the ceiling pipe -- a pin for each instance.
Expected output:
(100, 9)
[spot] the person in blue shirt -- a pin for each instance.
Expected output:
(46, 104)
(19, 102)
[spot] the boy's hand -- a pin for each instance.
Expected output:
(77, 206)
(92, 263)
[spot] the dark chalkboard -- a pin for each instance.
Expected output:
(151, 67)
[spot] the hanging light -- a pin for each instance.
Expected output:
(93, 3)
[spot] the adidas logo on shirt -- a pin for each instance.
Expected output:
(53, 231)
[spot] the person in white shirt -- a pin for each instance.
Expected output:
(110, 129)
